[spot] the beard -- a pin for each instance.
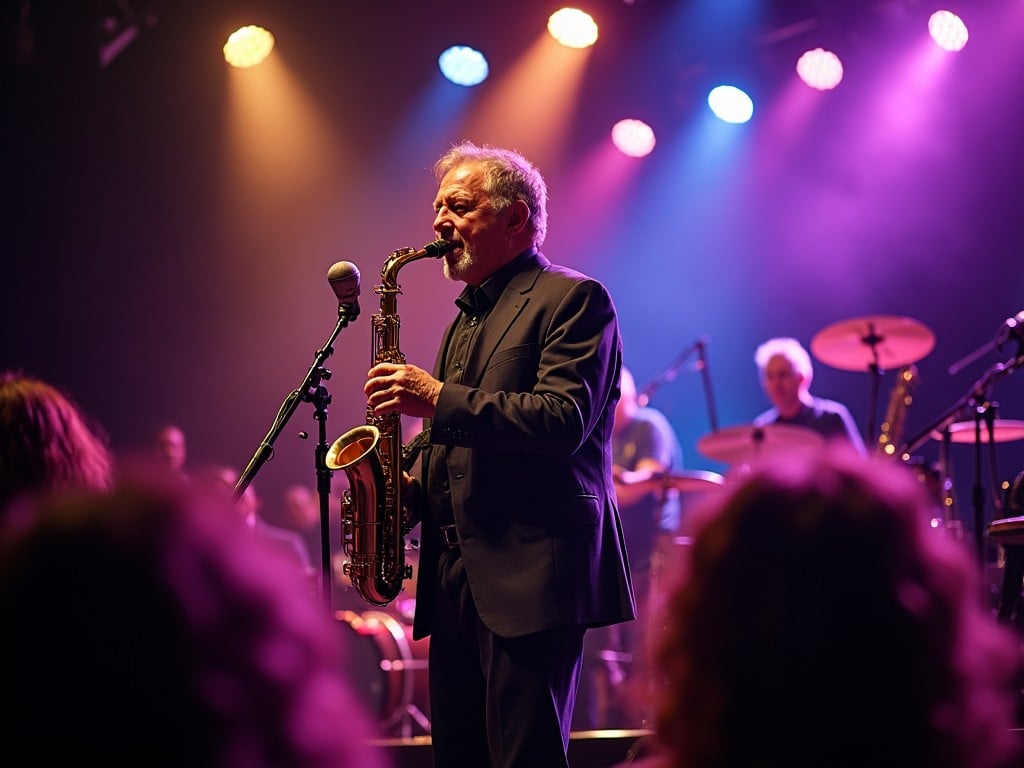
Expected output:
(457, 267)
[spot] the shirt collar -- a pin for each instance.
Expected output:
(475, 300)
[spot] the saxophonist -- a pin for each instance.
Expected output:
(522, 545)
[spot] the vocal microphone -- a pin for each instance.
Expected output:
(344, 279)
(1013, 328)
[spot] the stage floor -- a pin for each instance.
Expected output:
(587, 749)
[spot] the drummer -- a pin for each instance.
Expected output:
(786, 373)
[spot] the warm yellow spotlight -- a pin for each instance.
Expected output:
(248, 46)
(573, 28)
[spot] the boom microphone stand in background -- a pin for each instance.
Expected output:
(670, 373)
(344, 279)
(977, 405)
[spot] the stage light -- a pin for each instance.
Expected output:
(573, 28)
(248, 46)
(463, 65)
(634, 138)
(820, 69)
(947, 30)
(730, 104)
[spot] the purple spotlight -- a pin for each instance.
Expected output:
(947, 30)
(820, 69)
(634, 138)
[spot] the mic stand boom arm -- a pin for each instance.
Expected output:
(977, 393)
(670, 372)
(313, 391)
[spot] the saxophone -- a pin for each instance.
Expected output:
(373, 519)
(907, 381)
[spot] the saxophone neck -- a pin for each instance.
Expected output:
(401, 257)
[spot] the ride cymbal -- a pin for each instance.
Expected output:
(684, 481)
(1003, 431)
(856, 344)
(745, 442)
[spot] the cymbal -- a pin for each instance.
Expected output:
(1008, 530)
(1003, 431)
(683, 481)
(747, 441)
(851, 345)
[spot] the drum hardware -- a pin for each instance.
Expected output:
(873, 343)
(1009, 532)
(972, 418)
(745, 442)
(388, 668)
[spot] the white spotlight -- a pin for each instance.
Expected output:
(947, 30)
(730, 104)
(820, 69)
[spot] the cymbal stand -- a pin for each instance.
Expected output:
(984, 412)
(873, 340)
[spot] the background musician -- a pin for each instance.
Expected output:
(786, 373)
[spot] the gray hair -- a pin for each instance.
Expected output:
(508, 177)
(789, 348)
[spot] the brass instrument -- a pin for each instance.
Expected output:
(373, 519)
(907, 381)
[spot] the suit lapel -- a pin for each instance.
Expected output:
(510, 305)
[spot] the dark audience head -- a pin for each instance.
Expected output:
(144, 627)
(821, 622)
(46, 441)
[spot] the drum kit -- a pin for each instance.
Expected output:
(873, 344)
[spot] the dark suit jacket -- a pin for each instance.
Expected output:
(530, 460)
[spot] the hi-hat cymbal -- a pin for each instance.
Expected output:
(683, 481)
(1003, 431)
(852, 345)
(747, 441)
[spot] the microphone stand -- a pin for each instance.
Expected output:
(976, 401)
(669, 374)
(312, 391)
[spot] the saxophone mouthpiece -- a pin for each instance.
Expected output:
(436, 249)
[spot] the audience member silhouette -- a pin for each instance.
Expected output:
(821, 623)
(171, 450)
(300, 512)
(46, 441)
(143, 627)
(219, 478)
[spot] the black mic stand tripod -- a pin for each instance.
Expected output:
(312, 390)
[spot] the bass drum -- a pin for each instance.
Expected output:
(387, 669)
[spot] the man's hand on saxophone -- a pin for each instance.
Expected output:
(404, 388)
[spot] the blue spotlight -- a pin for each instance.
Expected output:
(730, 104)
(463, 65)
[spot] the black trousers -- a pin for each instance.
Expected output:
(495, 701)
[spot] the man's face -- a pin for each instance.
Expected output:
(782, 383)
(170, 444)
(464, 213)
